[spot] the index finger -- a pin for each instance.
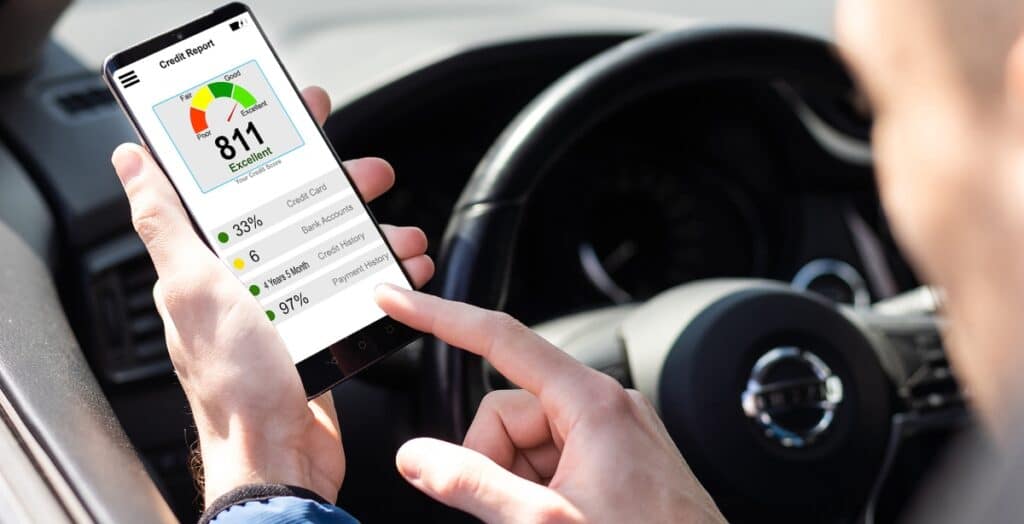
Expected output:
(521, 355)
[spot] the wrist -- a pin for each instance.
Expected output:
(247, 458)
(242, 442)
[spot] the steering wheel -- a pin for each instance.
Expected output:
(782, 403)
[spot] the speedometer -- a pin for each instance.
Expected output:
(652, 228)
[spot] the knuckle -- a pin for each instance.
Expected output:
(609, 398)
(637, 397)
(189, 277)
(500, 328)
(186, 289)
(147, 224)
(491, 400)
(466, 484)
(502, 399)
(505, 323)
(641, 401)
(149, 218)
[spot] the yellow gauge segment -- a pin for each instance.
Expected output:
(202, 98)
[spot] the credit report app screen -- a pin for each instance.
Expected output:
(261, 183)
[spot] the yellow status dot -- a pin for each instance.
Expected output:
(239, 263)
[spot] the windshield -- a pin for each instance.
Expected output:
(292, 22)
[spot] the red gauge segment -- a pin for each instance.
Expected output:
(198, 120)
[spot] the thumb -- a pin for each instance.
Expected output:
(157, 213)
(471, 482)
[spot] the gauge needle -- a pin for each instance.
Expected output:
(232, 113)
(599, 276)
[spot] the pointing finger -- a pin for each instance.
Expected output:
(564, 386)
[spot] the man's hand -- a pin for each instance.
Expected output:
(572, 445)
(251, 413)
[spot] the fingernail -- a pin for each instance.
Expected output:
(127, 163)
(407, 461)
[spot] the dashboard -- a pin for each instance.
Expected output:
(718, 180)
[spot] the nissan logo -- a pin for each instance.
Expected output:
(792, 395)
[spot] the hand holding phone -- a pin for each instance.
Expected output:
(264, 190)
(229, 359)
(242, 185)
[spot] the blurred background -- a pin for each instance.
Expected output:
(419, 31)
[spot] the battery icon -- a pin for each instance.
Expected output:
(236, 25)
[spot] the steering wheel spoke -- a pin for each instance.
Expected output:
(912, 351)
(931, 400)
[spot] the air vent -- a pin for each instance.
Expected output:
(85, 100)
(77, 98)
(128, 340)
(145, 329)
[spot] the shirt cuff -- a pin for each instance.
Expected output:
(273, 503)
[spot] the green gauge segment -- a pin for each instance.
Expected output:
(212, 91)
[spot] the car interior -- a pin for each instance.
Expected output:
(685, 204)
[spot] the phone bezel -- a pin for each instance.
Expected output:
(350, 355)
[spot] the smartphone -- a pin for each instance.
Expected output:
(264, 188)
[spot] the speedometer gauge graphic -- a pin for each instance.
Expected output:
(202, 98)
(229, 128)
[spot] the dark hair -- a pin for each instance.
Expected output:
(195, 467)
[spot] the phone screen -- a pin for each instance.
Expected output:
(262, 184)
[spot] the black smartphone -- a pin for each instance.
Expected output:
(264, 188)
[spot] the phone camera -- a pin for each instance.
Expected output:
(178, 36)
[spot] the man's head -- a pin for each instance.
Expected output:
(946, 81)
(968, 41)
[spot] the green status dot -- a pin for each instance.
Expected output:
(255, 290)
(271, 315)
(223, 237)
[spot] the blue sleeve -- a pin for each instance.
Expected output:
(273, 504)
(283, 510)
